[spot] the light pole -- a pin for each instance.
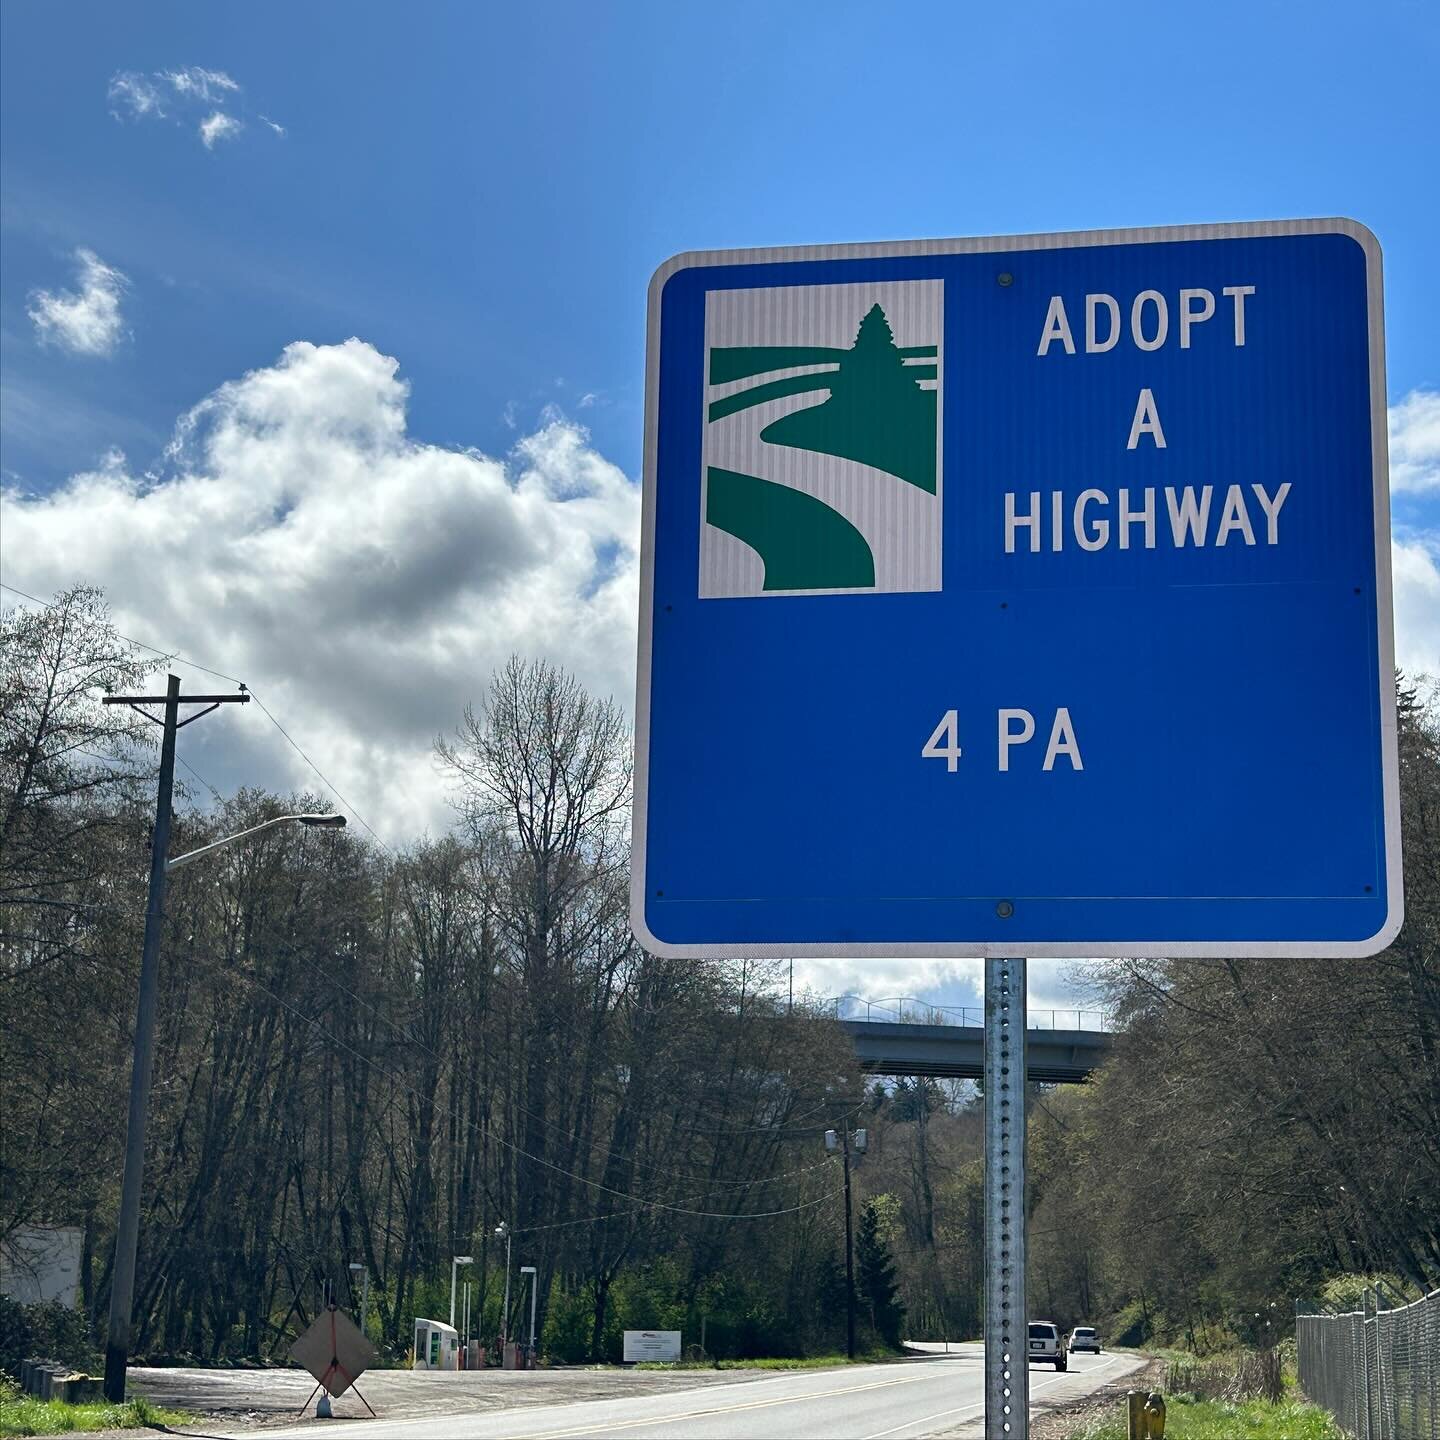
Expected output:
(502, 1232)
(456, 1261)
(842, 1143)
(356, 1268)
(319, 822)
(534, 1286)
(127, 1226)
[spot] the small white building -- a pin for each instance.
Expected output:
(437, 1346)
(41, 1262)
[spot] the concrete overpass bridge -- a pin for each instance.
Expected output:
(903, 1036)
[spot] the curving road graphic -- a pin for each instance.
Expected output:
(821, 467)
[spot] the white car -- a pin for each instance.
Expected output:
(1047, 1344)
(1083, 1337)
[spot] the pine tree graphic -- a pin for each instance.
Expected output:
(876, 414)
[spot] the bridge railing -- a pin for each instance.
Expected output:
(909, 1009)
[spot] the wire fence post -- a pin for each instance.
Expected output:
(1390, 1392)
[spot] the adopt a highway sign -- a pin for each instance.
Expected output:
(1019, 596)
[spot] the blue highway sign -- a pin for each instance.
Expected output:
(1019, 596)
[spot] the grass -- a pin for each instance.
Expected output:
(1222, 1420)
(22, 1414)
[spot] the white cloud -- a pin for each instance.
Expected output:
(366, 584)
(196, 83)
(135, 93)
(1416, 562)
(87, 321)
(190, 95)
(219, 126)
(1415, 443)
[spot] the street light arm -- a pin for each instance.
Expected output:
(328, 822)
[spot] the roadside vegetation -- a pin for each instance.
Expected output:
(367, 1050)
(25, 1415)
(1187, 1419)
(377, 1052)
(1237, 1395)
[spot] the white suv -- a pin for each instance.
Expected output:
(1047, 1344)
(1083, 1337)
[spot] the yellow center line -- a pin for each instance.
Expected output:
(716, 1410)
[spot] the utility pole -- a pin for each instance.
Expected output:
(849, 1252)
(842, 1143)
(127, 1230)
(1007, 1377)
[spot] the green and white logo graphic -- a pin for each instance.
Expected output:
(822, 454)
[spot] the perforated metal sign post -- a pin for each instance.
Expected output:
(1007, 1333)
(1023, 596)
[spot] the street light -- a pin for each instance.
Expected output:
(534, 1287)
(356, 1268)
(456, 1261)
(127, 1225)
(319, 822)
(502, 1232)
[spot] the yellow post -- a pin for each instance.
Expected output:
(1135, 1412)
(1155, 1417)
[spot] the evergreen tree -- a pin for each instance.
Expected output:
(914, 1099)
(878, 1286)
(830, 1303)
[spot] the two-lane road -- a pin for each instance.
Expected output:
(938, 1396)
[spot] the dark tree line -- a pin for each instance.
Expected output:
(377, 1056)
(1263, 1129)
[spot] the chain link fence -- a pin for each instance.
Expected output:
(1377, 1371)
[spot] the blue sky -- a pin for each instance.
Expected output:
(481, 192)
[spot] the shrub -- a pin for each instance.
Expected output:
(1250, 1375)
(47, 1331)
(569, 1325)
(1346, 1292)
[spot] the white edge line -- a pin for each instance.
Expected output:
(968, 1409)
(1384, 607)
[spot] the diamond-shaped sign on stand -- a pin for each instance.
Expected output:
(336, 1353)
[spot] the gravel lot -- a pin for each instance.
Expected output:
(271, 1397)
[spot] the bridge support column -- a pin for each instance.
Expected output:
(1007, 1380)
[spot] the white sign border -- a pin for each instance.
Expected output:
(1384, 604)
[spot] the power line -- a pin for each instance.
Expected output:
(415, 1091)
(348, 805)
(775, 1131)
(328, 783)
(173, 655)
(130, 639)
